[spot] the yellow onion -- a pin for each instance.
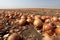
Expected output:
(22, 22)
(59, 18)
(57, 30)
(49, 32)
(28, 16)
(48, 17)
(20, 15)
(37, 23)
(47, 20)
(47, 26)
(37, 17)
(57, 24)
(29, 20)
(32, 15)
(23, 17)
(54, 19)
(45, 17)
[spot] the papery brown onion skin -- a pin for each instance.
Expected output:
(57, 24)
(32, 15)
(47, 20)
(59, 18)
(45, 17)
(29, 20)
(22, 22)
(23, 17)
(49, 32)
(54, 19)
(37, 17)
(37, 23)
(47, 27)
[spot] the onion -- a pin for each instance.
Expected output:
(45, 17)
(23, 17)
(47, 20)
(48, 17)
(47, 26)
(57, 30)
(28, 16)
(59, 18)
(14, 36)
(29, 20)
(37, 17)
(49, 32)
(57, 24)
(22, 22)
(37, 23)
(20, 15)
(54, 19)
(32, 15)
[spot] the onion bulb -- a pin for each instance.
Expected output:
(57, 24)
(54, 19)
(23, 17)
(37, 17)
(47, 20)
(22, 21)
(45, 17)
(29, 20)
(49, 32)
(57, 30)
(59, 18)
(47, 26)
(32, 15)
(37, 23)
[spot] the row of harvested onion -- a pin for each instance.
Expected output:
(48, 24)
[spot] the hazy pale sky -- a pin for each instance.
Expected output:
(29, 3)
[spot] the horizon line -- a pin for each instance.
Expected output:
(30, 7)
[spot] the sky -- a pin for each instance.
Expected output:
(29, 3)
